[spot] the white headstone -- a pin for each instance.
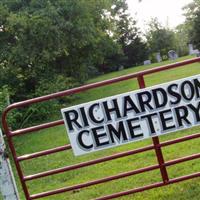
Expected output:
(121, 67)
(158, 57)
(172, 55)
(190, 49)
(147, 62)
(193, 51)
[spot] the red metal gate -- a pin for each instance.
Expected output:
(156, 145)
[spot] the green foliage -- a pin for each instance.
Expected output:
(46, 111)
(3, 97)
(50, 40)
(42, 40)
(128, 36)
(52, 37)
(192, 13)
(182, 39)
(159, 38)
(4, 101)
(136, 52)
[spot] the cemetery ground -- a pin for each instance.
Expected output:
(57, 136)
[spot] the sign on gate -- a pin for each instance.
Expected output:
(133, 116)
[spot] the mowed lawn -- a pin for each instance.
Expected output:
(57, 136)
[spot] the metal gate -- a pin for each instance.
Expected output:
(156, 145)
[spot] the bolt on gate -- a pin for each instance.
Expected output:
(156, 145)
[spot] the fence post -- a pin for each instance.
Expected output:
(8, 187)
(156, 143)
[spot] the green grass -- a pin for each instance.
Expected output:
(57, 136)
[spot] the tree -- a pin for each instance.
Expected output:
(182, 39)
(40, 40)
(192, 13)
(159, 38)
(128, 35)
(47, 46)
(136, 52)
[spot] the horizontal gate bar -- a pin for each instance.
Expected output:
(88, 163)
(115, 177)
(132, 191)
(182, 159)
(67, 147)
(99, 160)
(181, 139)
(95, 182)
(148, 187)
(43, 153)
(96, 161)
(37, 128)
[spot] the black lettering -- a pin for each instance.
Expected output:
(98, 136)
(171, 90)
(181, 115)
(115, 109)
(144, 102)
(80, 139)
(163, 94)
(84, 118)
(132, 127)
(150, 122)
(184, 86)
(196, 111)
(165, 119)
(197, 87)
(71, 118)
(118, 133)
(92, 116)
(129, 105)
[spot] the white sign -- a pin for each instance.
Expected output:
(133, 116)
